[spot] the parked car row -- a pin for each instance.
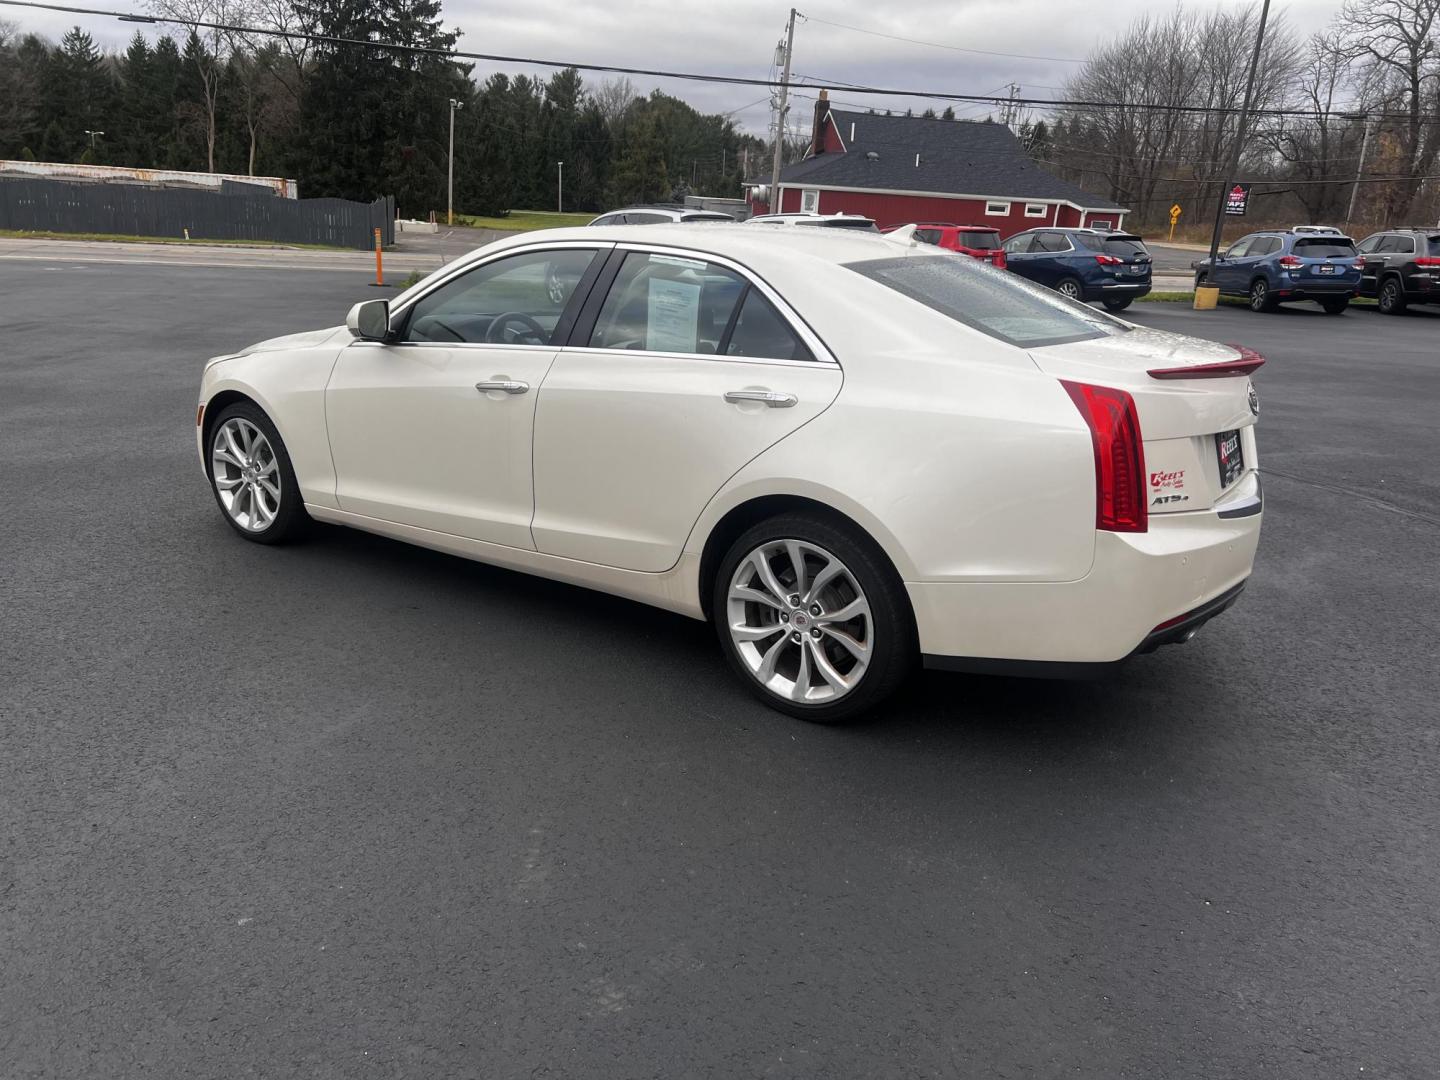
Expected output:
(1395, 267)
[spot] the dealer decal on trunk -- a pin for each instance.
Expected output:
(1165, 487)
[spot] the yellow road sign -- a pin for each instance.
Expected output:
(1175, 210)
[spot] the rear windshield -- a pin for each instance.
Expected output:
(1124, 247)
(1324, 248)
(864, 224)
(987, 240)
(995, 303)
(707, 217)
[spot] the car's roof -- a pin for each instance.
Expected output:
(735, 241)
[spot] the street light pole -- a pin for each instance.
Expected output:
(560, 188)
(1229, 177)
(92, 135)
(450, 164)
(1359, 170)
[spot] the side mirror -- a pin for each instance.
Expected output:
(369, 320)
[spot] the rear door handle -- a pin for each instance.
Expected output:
(506, 386)
(766, 397)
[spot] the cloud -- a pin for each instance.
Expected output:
(739, 38)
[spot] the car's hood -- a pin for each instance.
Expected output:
(293, 341)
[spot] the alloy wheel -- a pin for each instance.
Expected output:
(799, 621)
(1070, 289)
(246, 474)
(1259, 296)
(1389, 297)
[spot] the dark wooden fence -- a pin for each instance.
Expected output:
(126, 210)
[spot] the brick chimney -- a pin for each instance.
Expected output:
(817, 135)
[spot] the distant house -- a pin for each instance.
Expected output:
(898, 169)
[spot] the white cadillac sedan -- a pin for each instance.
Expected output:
(847, 452)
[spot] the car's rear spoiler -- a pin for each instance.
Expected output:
(1244, 364)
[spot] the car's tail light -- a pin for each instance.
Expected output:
(1244, 364)
(1359, 262)
(1426, 260)
(1291, 261)
(1108, 260)
(1119, 455)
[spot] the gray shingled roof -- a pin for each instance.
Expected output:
(963, 157)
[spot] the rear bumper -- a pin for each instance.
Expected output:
(1143, 590)
(1110, 290)
(1311, 292)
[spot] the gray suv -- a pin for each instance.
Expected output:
(1402, 267)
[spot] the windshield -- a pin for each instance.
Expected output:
(1124, 247)
(997, 304)
(989, 241)
(1327, 248)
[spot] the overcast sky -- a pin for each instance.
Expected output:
(738, 37)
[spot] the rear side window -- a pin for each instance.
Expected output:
(1053, 242)
(995, 303)
(1264, 245)
(1324, 248)
(927, 236)
(644, 219)
(665, 303)
(1434, 245)
(759, 331)
(986, 240)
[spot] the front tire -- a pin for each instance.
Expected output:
(1335, 307)
(1391, 300)
(812, 618)
(251, 476)
(1260, 298)
(1119, 303)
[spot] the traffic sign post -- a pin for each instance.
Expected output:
(1175, 212)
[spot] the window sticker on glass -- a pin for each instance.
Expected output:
(676, 260)
(674, 315)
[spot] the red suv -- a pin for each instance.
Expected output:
(978, 241)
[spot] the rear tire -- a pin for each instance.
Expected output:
(1391, 300)
(1119, 304)
(1335, 307)
(1260, 297)
(778, 626)
(1070, 287)
(251, 476)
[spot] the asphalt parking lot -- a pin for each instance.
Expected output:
(351, 808)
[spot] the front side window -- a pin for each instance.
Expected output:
(1053, 242)
(1018, 245)
(1240, 248)
(514, 301)
(991, 301)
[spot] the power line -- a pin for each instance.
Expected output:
(938, 45)
(616, 69)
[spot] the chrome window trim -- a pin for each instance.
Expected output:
(798, 326)
(508, 345)
(707, 357)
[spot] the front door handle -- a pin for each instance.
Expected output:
(505, 386)
(766, 397)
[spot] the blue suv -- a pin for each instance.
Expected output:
(1084, 264)
(1308, 262)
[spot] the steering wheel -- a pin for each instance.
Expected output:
(496, 332)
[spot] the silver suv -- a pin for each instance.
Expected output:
(659, 215)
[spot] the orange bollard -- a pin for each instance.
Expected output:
(379, 263)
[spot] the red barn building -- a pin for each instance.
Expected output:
(898, 169)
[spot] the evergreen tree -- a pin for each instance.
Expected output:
(79, 96)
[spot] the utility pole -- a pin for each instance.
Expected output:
(1012, 108)
(450, 165)
(560, 187)
(1229, 177)
(1359, 170)
(788, 46)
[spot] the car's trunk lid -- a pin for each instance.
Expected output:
(1193, 427)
